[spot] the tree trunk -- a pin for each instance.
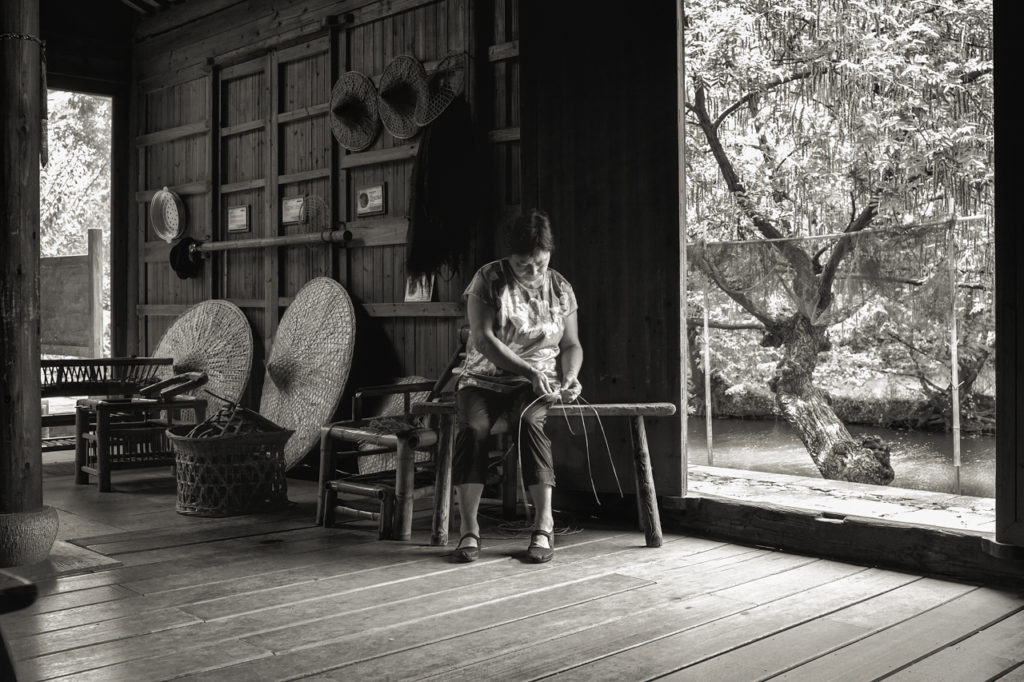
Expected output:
(834, 451)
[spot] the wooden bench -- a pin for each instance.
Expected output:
(650, 520)
(95, 377)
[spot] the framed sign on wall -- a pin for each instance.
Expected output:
(371, 200)
(238, 218)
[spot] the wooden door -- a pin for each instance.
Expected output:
(1009, 285)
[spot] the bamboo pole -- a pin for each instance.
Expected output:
(326, 236)
(954, 369)
(707, 379)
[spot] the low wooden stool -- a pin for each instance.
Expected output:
(394, 519)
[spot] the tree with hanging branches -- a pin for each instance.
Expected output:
(814, 126)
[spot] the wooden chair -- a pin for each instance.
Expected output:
(401, 430)
(400, 446)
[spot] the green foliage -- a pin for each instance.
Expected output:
(840, 99)
(815, 117)
(75, 184)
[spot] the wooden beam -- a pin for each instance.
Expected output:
(201, 187)
(21, 483)
(414, 309)
(305, 112)
(503, 51)
(304, 176)
(137, 6)
(931, 551)
(240, 128)
(405, 151)
(171, 134)
(499, 135)
(1009, 283)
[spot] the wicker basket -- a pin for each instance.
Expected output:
(228, 475)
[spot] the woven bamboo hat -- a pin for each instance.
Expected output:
(444, 84)
(402, 87)
(213, 337)
(167, 214)
(354, 116)
(309, 364)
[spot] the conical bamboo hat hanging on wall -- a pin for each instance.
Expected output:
(309, 364)
(403, 86)
(355, 121)
(212, 337)
(444, 84)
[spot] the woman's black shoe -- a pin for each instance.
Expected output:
(537, 554)
(463, 555)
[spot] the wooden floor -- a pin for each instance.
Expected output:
(155, 595)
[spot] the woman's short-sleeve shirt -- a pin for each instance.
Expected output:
(530, 321)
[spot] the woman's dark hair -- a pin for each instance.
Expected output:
(530, 232)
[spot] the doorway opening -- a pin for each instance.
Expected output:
(75, 200)
(840, 312)
(74, 240)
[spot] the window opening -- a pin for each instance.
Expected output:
(816, 156)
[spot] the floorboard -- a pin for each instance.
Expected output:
(154, 595)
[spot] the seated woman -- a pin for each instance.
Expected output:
(522, 319)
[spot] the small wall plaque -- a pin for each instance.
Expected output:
(238, 219)
(291, 209)
(371, 200)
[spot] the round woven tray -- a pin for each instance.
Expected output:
(309, 364)
(212, 337)
(229, 475)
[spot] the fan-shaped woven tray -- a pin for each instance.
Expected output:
(212, 337)
(309, 364)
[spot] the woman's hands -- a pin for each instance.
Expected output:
(572, 389)
(567, 393)
(542, 385)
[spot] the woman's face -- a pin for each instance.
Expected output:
(530, 267)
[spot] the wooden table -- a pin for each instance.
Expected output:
(104, 421)
(650, 520)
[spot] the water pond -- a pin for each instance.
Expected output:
(921, 460)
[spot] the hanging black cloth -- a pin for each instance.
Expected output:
(444, 197)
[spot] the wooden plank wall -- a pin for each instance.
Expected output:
(599, 133)
(232, 109)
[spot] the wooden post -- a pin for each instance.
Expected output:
(650, 519)
(954, 357)
(443, 482)
(96, 257)
(21, 483)
(684, 351)
(22, 530)
(405, 485)
(709, 435)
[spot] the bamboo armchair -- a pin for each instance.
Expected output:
(401, 447)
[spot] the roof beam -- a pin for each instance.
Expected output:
(137, 6)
